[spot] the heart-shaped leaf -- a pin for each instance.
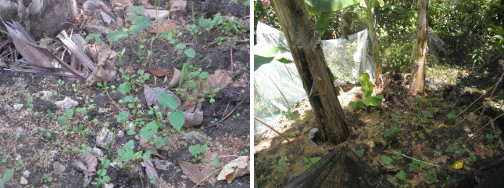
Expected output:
(177, 119)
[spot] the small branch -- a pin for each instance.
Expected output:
(228, 114)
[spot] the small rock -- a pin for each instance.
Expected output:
(18, 107)
(20, 84)
(109, 185)
(194, 137)
(183, 177)
(104, 137)
(314, 135)
(161, 164)
(26, 173)
(20, 132)
(23, 181)
(120, 134)
(66, 103)
(58, 168)
(45, 95)
(97, 152)
(18, 157)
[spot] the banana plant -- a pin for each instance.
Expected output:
(367, 88)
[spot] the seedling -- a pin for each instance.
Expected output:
(367, 88)
(198, 151)
(140, 23)
(6, 176)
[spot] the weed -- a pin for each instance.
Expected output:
(140, 23)
(431, 176)
(391, 131)
(47, 178)
(6, 176)
(102, 173)
(198, 151)
(367, 88)
(415, 165)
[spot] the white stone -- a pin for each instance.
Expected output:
(104, 137)
(97, 152)
(18, 107)
(26, 173)
(66, 103)
(58, 168)
(109, 185)
(18, 157)
(20, 132)
(45, 95)
(23, 181)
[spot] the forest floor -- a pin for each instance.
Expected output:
(42, 141)
(442, 138)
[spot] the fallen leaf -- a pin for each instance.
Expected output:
(175, 78)
(234, 169)
(191, 171)
(154, 72)
(87, 163)
(105, 70)
(458, 165)
(161, 164)
(156, 14)
(150, 170)
(121, 9)
(477, 150)
(417, 150)
(162, 27)
(177, 9)
(193, 116)
(219, 79)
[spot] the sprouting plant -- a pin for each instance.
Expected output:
(128, 153)
(140, 23)
(392, 130)
(30, 106)
(386, 159)
(189, 52)
(60, 82)
(47, 178)
(198, 151)
(102, 173)
(236, 115)
(431, 176)
(6, 176)
(367, 88)
(415, 165)
(176, 117)
(211, 93)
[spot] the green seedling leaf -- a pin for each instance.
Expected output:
(130, 145)
(146, 155)
(190, 52)
(167, 101)
(204, 75)
(125, 87)
(160, 141)
(331, 5)
(137, 10)
(177, 119)
(7, 175)
(149, 130)
(197, 149)
(141, 22)
(391, 131)
(180, 46)
(400, 175)
(281, 165)
(69, 113)
(373, 100)
(322, 23)
(216, 161)
(312, 159)
(261, 60)
(117, 35)
(123, 116)
(386, 159)
(366, 85)
(95, 36)
(356, 104)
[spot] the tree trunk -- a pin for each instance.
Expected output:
(374, 39)
(418, 76)
(306, 49)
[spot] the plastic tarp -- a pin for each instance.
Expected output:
(278, 86)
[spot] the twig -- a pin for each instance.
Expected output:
(232, 63)
(285, 138)
(229, 113)
(207, 177)
(430, 163)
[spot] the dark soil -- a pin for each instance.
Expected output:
(43, 141)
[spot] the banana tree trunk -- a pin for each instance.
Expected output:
(306, 49)
(418, 76)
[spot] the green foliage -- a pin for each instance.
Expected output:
(209, 24)
(312, 159)
(367, 88)
(198, 151)
(128, 153)
(392, 130)
(386, 159)
(400, 175)
(216, 161)
(263, 12)
(431, 176)
(167, 101)
(6, 177)
(281, 165)
(415, 165)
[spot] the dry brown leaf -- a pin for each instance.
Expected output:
(234, 169)
(87, 163)
(121, 9)
(177, 9)
(154, 72)
(99, 17)
(22, 41)
(219, 79)
(193, 116)
(105, 69)
(175, 78)
(161, 27)
(191, 171)
(417, 150)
